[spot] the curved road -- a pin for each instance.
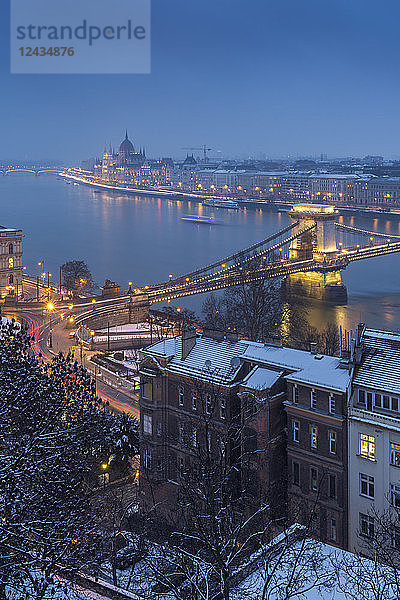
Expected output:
(39, 329)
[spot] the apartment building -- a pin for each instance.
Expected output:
(298, 395)
(374, 433)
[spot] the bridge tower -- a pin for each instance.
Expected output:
(318, 243)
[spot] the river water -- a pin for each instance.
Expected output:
(128, 238)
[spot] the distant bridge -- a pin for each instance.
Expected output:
(310, 254)
(26, 170)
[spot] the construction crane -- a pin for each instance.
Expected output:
(203, 148)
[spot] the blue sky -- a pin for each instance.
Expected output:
(294, 77)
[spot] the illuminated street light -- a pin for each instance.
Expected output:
(93, 301)
(50, 306)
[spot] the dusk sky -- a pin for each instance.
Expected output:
(294, 77)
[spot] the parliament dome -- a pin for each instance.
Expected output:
(126, 146)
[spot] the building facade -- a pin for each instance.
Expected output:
(295, 406)
(11, 268)
(374, 434)
(131, 166)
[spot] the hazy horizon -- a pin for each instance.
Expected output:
(296, 79)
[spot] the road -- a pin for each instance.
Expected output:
(39, 327)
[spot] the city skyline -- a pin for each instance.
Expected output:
(269, 80)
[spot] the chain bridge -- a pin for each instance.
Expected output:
(309, 255)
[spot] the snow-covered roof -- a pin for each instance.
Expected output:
(261, 378)
(219, 352)
(312, 369)
(380, 365)
(319, 370)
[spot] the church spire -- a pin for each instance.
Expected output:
(126, 134)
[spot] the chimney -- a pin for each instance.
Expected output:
(313, 347)
(188, 340)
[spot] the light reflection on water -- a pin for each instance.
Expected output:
(127, 238)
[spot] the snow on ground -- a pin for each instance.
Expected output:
(127, 328)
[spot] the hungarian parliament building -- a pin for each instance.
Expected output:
(131, 166)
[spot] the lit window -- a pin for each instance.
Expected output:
(194, 400)
(147, 424)
(181, 397)
(332, 404)
(366, 524)
(314, 437)
(208, 404)
(296, 431)
(159, 428)
(313, 399)
(395, 454)
(332, 442)
(367, 486)
(10, 263)
(367, 446)
(295, 394)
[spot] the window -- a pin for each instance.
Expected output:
(296, 431)
(332, 530)
(10, 263)
(147, 390)
(395, 494)
(366, 524)
(10, 248)
(396, 538)
(147, 424)
(367, 446)
(295, 394)
(11, 279)
(296, 473)
(222, 408)
(181, 397)
(314, 437)
(194, 437)
(147, 458)
(314, 479)
(159, 428)
(332, 486)
(313, 399)
(181, 433)
(194, 400)
(332, 442)
(386, 402)
(367, 486)
(332, 404)
(395, 404)
(361, 397)
(395, 454)
(181, 466)
(208, 404)
(378, 400)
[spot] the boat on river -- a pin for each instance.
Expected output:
(202, 219)
(221, 203)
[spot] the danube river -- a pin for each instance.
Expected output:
(127, 238)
